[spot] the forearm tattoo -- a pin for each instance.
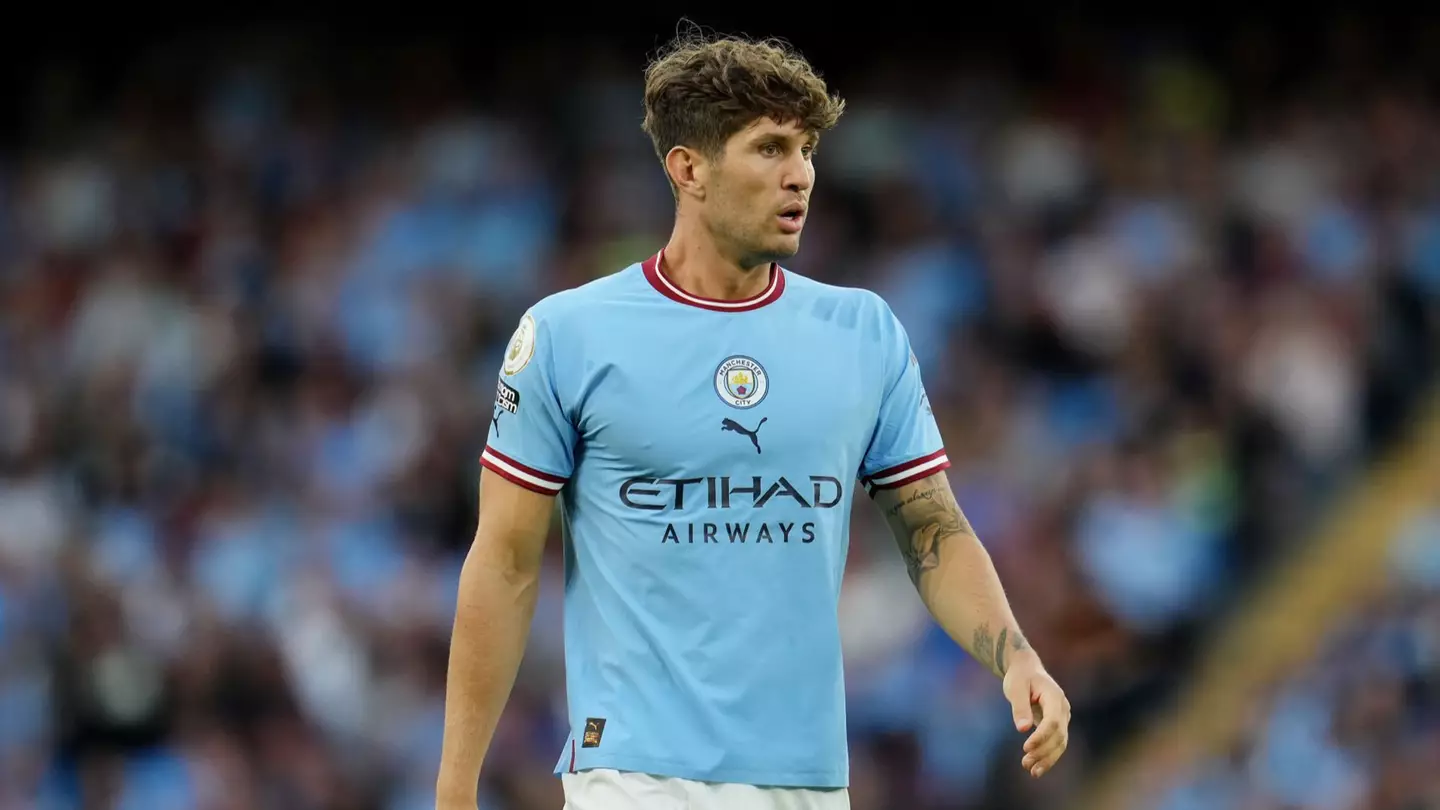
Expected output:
(928, 519)
(926, 523)
(993, 652)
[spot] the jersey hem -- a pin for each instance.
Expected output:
(521, 474)
(907, 472)
(827, 779)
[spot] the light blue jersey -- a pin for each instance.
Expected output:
(706, 454)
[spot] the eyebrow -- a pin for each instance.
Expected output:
(808, 135)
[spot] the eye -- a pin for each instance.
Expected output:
(808, 150)
(770, 149)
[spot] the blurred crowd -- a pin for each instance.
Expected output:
(252, 307)
(1359, 727)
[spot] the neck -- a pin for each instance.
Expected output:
(697, 265)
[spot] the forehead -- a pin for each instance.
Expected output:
(765, 127)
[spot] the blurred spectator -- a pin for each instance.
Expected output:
(1360, 726)
(251, 310)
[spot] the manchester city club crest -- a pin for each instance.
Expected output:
(741, 382)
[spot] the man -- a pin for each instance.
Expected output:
(703, 417)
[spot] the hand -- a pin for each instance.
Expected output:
(1035, 698)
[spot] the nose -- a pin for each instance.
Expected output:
(799, 175)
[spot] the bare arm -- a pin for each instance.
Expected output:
(953, 572)
(498, 587)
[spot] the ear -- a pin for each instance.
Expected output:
(688, 170)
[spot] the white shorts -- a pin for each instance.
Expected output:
(607, 789)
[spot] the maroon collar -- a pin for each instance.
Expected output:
(661, 282)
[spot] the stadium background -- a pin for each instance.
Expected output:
(1175, 289)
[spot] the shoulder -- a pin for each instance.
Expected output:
(557, 327)
(850, 306)
(571, 308)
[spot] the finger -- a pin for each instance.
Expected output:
(1024, 718)
(1054, 708)
(1043, 766)
(1049, 728)
(1040, 742)
(1047, 755)
(1039, 766)
(1021, 708)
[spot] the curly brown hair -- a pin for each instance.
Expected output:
(700, 91)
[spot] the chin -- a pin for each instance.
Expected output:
(783, 248)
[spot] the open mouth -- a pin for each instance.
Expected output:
(792, 217)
